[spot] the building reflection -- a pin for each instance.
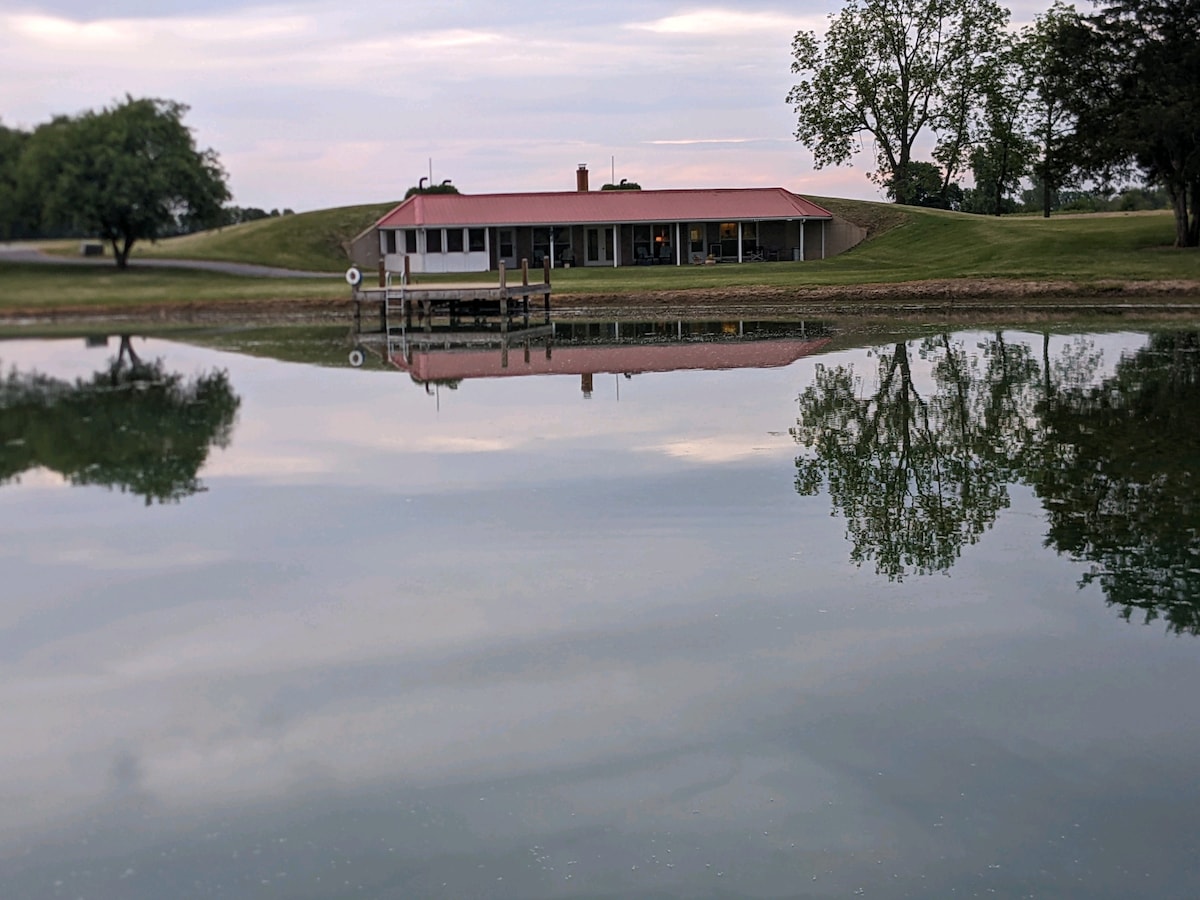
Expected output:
(451, 354)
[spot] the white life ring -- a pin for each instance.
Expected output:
(353, 276)
(357, 357)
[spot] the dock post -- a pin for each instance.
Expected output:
(382, 273)
(546, 293)
(525, 283)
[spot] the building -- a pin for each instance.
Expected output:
(478, 232)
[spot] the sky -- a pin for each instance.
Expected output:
(318, 104)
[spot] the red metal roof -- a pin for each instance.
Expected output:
(601, 208)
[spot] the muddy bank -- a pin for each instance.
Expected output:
(949, 299)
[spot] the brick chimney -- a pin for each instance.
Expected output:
(581, 178)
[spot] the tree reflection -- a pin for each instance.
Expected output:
(1120, 479)
(133, 426)
(917, 474)
(919, 465)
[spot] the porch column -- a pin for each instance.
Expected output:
(678, 248)
(802, 222)
(739, 241)
(551, 246)
(616, 246)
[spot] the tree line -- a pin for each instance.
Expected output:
(125, 173)
(1070, 103)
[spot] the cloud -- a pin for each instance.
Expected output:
(723, 22)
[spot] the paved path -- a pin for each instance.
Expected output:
(27, 254)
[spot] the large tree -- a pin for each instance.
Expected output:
(1135, 93)
(127, 173)
(895, 70)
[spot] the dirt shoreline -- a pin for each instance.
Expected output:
(948, 298)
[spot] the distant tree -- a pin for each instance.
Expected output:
(1135, 94)
(12, 145)
(1002, 155)
(1050, 57)
(924, 185)
(622, 185)
(127, 173)
(133, 426)
(422, 188)
(894, 70)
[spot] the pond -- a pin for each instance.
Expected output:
(625, 609)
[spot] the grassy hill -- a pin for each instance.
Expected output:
(309, 241)
(905, 244)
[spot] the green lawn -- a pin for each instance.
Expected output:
(910, 245)
(33, 286)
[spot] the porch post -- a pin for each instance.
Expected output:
(678, 249)
(551, 246)
(616, 246)
(802, 222)
(739, 241)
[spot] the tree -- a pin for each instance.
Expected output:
(1135, 94)
(12, 145)
(127, 173)
(1001, 157)
(1050, 59)
(895, 69)
(924, 185)
(133, 426)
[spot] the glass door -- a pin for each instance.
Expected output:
(598, 252)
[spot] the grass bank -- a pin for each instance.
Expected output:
(912, 253)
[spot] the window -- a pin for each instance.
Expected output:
(454, 241)
(729, 231)
(410, 241)
(475, 240)
(541, 245)
(507, 251)
(642, 253)
(390, 240)
(433, 240)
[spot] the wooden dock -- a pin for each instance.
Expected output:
(399, 297)
(406, 309)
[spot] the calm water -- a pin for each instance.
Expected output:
(772, 618)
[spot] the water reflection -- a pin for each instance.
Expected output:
(447, 354)
(920, 461)
(1119, 473)
(133, 426)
